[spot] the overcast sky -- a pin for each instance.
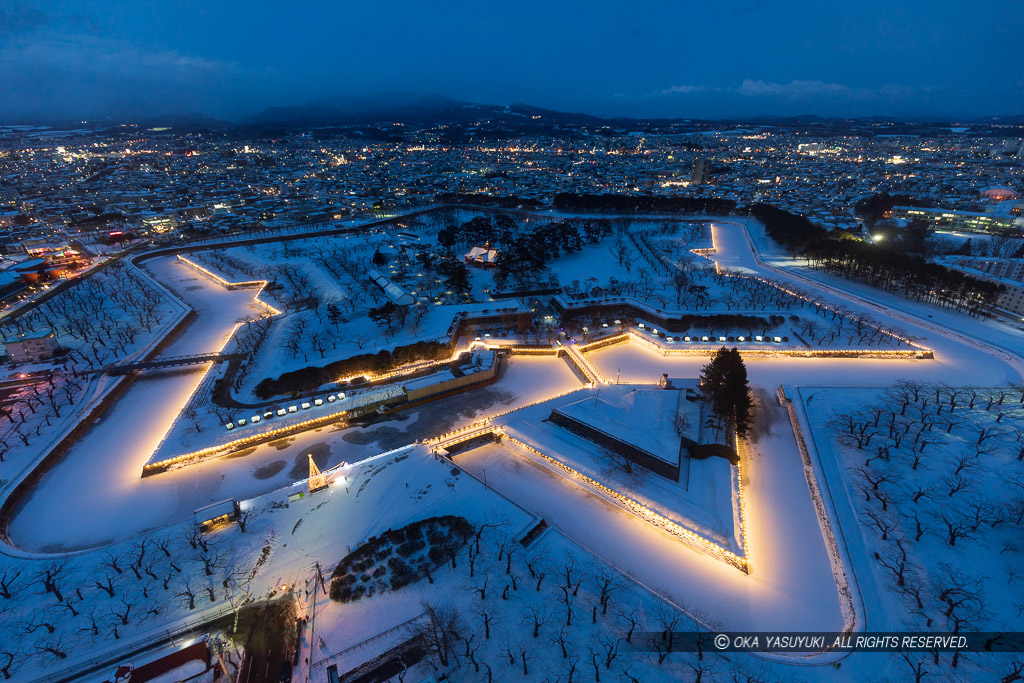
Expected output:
(232, 58)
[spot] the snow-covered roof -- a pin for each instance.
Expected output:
(642, 418)
(483, 254)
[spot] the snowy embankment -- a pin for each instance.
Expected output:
(702, 503)
(100, 473)
(99, 388)
(931, 322)
(928, 507)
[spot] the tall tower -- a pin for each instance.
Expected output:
(701, 170)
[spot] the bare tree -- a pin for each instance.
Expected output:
(8, 661)
(107, 586)
(51, 578)
(485, 618)
(537, 617)
(896, 561)
(538, 568)
(54, 647)
(124, 613)
(629, 620)
(608, 581)
(7, 580)
(561, 639)
(187, 595)
(112, 561)
(438, 630)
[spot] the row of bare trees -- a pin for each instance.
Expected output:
(51, 610)
(938, 473)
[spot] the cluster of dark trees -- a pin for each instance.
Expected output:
(399, 557)
(616, 203)
(455, 275)
(503, 233)
(875, 264)
(912, 277)
(487, 200)
(529, 252)
(523, 254)
(99, 219)
(724, 384)
(309, 378)
(873, 209)
(791, 231)
(479, 230)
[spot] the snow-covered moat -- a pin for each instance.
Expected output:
(807, 569)
(100, 476)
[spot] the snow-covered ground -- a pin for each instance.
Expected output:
(703, 499)
(790, 584)
(101, 477)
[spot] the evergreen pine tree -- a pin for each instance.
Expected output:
(724, 383)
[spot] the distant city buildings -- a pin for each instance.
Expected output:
(8, 195)
(1008, 272)
(968, 221)
(169, 186)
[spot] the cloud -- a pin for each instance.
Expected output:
(684, 90)
(793, 90)
(18, 17)
(112, 57)
(56, 74)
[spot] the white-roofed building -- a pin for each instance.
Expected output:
(484, 256)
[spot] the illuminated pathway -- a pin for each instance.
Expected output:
(95, 495)
(973, 362)
(100, 480)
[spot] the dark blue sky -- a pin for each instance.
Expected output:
(232, 58)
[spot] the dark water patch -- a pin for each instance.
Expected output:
(239, 454)
(269, 470)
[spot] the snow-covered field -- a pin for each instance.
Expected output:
(930, 500)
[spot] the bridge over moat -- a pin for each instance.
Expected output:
(174, 361)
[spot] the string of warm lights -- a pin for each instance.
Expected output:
(606, 341)
(233, 285)
(532, 350)
(718, 270)
(584, 365)
(743, 502)
(161, 465)
(689, 537)
(191, 395)
(445, 438)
